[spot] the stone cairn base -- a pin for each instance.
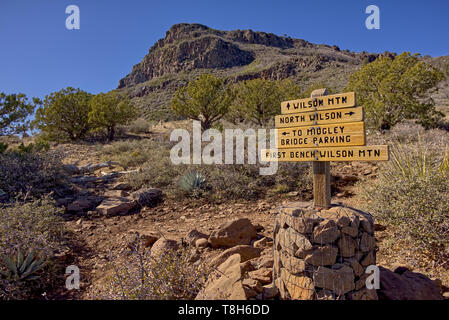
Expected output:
(323, 254)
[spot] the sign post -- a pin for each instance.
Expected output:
(321, 173)
(321, 129)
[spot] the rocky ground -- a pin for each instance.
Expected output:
(103, 217)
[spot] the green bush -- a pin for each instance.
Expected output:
(130, 153)
(138, 126)
(412, 194)
(169, 277)
(33, 226)
(31, 173)
(3, 147)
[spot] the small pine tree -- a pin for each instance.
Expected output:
(107, 110)
(205, 99)
(258, 100)
(14, 110)
(396, 88)
(63, 115)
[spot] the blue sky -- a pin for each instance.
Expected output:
(39, 55)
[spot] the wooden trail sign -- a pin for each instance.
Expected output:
(319, 117)
(363, 153)
(331, 135)
(322, 129)
(318, 103)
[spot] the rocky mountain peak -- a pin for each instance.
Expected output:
(195, 46)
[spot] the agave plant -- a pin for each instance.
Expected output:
(192, 181)
(22, 269)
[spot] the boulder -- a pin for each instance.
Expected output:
(148, 237)
(116, 193)
(265, 261)
(233, 233)
(406, 285)
(263, 275)
(225, 283)
(260, 243)
(115, 206)
(194, 235)
(71, 169)
(269, 291)
(201, 243)
(364, 294)
(253, 284)
(247, 266)
(147, 197)
(244, 251)
(163, 246)
(84, 203)
(121, 186)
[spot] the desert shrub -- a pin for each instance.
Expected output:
(295, 176)
(193, 183)
(131, 153)
(158, 172)
(3, 147)
(138, 126)
(233, 182)
(30, 172)
(32, 226)
(222, 182)
(169, 277)
(412, 193)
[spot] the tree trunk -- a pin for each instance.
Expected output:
(111, 133)
(205, 125)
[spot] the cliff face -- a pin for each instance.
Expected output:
(191, 49)
(194, 46)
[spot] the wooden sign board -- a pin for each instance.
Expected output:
(344, 134)
(336, 101)
(319, 117)
(363, 153)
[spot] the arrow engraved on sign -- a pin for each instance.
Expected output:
(285, 133)
(350, 113)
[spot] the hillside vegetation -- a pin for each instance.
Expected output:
(192, 49)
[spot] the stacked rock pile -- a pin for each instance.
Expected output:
(323, 254)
